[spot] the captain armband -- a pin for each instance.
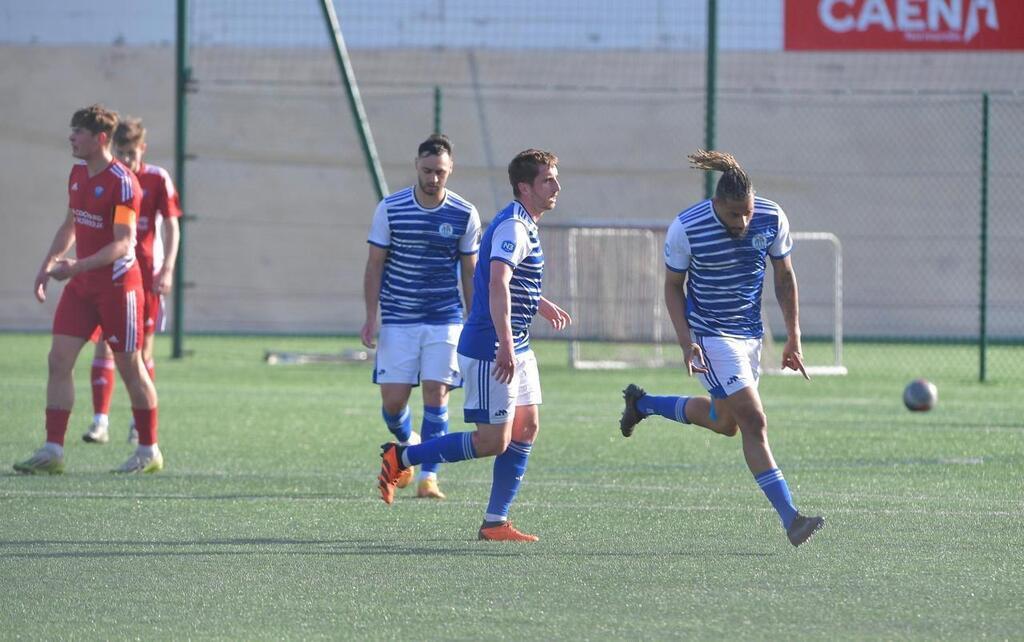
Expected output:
(124, 215)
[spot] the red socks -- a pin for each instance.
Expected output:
(56, 425)
(145, 423)
(102, 385)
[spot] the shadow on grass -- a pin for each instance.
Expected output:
(320, 547)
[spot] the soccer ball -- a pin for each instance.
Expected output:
(920, 395)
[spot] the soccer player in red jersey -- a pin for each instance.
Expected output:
(157, 238)
(104, 290)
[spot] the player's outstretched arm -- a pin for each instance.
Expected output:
(556, 316)
(63, 239)
(788, 298)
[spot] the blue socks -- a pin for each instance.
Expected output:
(509, 468)
(452, 447)
(777, 492)
(673, 408)
(435, 424)
(400, 425)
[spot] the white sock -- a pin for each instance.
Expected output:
(147, 451)
(100, 419)
(56, 449)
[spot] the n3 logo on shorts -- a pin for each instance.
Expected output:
(501, 413)
(733, 379)
(508, 246)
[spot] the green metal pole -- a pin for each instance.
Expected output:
(710, 92)
(348, 79)
(182, 76)
(983, 303)
(437, 109)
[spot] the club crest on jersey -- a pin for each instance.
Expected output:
(98, 191)
(74, 186)
(508, 246)
(760, 241)
(445, 230)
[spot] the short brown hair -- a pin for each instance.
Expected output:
(435, 145)
(526, 165)
(95, 118)
(129, 132)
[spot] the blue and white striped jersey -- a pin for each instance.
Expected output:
(420, 283)
(725, 274)
(512, 237)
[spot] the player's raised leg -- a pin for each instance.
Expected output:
(60, 398)
(701, 411)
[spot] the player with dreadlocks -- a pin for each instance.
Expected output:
(716, 252)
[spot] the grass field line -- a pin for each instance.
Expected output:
(546, 505)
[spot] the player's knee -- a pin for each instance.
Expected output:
(527, 433)
(755, 427)
(727, 428)
(59, 362)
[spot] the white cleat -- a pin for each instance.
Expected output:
(44, 461)
(143, 462)
(97, 434)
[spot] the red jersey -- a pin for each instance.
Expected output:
(159, 198)
(92, 202)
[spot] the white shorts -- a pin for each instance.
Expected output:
(733, 364)
(411, 353)
(491, 402)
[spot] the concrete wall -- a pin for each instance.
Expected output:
(282, 198)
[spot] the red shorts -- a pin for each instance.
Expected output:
(114, 310)
(153, 319)
(154, 313)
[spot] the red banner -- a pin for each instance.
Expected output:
(946, 25)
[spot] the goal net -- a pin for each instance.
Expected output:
(610, 278)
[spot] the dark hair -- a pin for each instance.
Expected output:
(129, 132)
(95, 118)
(435, 145)
(734, 183)
(526, 165)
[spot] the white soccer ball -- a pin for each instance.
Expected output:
(920, 395)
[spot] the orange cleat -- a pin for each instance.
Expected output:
(390, 471)
(428, 488)
(504, 532)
